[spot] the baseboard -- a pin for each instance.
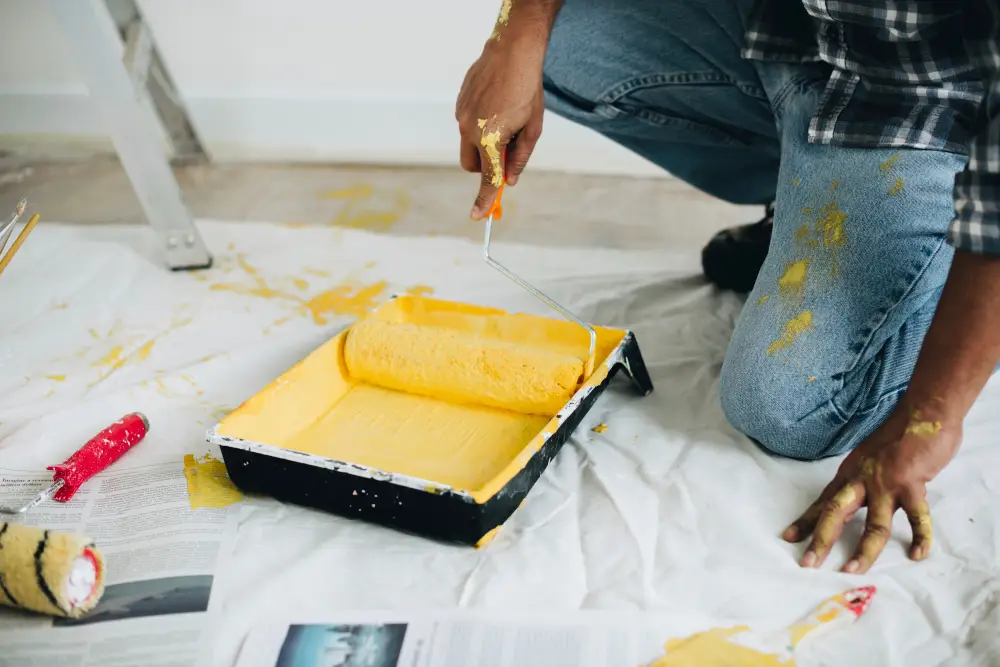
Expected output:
(312, 129)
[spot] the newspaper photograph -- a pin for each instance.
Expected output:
(161, 556)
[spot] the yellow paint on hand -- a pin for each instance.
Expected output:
(600, 428)
(897, 188)
(794, 328)
(921, 428)
(763, 299)
(208, 484)
(793, 281)
(888, 164)
(490, 141)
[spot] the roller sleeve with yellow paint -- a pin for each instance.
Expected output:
(461, 367)
(49, 572)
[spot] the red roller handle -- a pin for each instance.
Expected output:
(100, 452)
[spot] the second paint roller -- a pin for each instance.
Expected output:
(56, 573)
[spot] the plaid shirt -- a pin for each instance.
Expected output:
(920, 74)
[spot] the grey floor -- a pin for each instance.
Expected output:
(548, 209)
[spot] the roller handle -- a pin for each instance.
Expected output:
(496, 208)
(100, 452)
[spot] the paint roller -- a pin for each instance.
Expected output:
(57, 573)
(461, 367)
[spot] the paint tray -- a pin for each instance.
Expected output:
(412, 468)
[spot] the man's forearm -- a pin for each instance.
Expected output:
(962, 345)
(525, 21)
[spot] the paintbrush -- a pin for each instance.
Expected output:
(8, 229)
(743, 646)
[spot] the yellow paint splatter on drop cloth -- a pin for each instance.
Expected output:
(713, 648)
(490, 141)
(793, 329)
(919, 427)
(370, 208)
(420, 290)
(793, 280)
(897, 187)
(343, 299)
(600, 428)
(208, 484)
(56, 378)
(888, 164)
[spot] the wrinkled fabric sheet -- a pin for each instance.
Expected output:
(670, 508)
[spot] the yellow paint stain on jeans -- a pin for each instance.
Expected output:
(830, 226)
(791, 332)
(793, 281)
(762, 300)
(715, 648)
(208, 484)
(888, 164)
(897, 188)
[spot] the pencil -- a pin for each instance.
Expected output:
(18, 242)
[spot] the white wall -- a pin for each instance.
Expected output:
(292, 80)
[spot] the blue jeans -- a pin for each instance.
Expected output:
(828, 339)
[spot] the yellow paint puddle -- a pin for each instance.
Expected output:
(793, 329)
(208, 484)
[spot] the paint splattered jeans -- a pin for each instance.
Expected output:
(830, 334)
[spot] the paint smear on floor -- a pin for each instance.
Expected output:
(208, 484)
(367, 207)
(793, 329)
(420, 290)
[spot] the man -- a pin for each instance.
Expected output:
(871, 132)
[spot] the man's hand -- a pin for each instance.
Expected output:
(501, 102)
(888, 471)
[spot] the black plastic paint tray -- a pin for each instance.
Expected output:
(299, 439)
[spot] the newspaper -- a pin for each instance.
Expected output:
(460, 638)
(161, 558)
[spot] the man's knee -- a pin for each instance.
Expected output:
(770, 409)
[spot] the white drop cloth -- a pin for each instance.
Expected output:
(670, 508)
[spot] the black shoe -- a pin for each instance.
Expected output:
(732, 259)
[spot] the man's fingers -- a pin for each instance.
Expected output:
(521, 148)
(469, 157)
(802, 527)
(878, 529)
(491, 149)
(836, 512)
(919, 514)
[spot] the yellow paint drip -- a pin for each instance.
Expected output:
(490, 141)
(793, 281)
(897, 188)
(208, 484)
(794, 328)
(921, 428)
